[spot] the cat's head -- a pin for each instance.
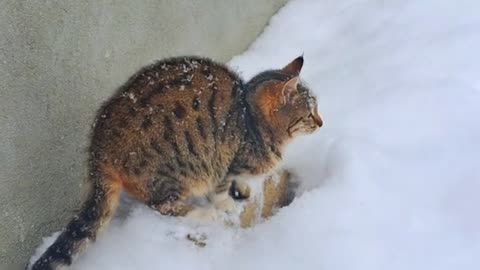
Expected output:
(285, 102)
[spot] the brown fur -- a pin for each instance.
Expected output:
(278, 191)
(176, 130)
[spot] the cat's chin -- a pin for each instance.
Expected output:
(303, 133)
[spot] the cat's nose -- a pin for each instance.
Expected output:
(317, 119)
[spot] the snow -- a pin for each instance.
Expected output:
(392, 179)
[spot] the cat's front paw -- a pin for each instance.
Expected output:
(239, 190)
(203, 214)
(226, 205)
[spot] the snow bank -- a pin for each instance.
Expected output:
(392, 179)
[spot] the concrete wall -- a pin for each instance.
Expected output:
(58, 61)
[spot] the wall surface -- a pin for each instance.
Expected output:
(58, 61)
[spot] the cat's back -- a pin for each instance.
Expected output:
(185, 95)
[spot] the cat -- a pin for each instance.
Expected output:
(180, 129)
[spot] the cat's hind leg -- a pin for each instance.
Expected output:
(168, 196)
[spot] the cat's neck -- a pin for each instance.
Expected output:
(260, 134)
(260, 147)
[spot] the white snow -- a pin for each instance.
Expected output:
(391, 181)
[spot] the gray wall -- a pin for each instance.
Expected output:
(58, 61)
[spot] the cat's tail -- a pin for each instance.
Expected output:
(96, 211)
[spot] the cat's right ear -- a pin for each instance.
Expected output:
(294, 67)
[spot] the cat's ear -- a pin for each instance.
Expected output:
(294, 67)
(289, 88)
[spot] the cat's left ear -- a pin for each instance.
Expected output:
(294, 67)
(289, 88)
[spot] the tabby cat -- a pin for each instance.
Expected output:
(181, 129)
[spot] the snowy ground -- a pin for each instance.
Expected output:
(390, 182)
